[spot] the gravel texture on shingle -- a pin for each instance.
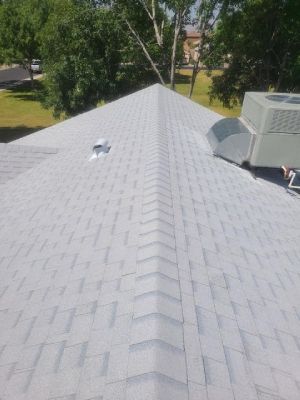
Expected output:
(156, 272)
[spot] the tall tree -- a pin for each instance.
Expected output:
(261, 41)
(208, 13)
(147, 23)
(21, 23)
(81, 56)
(181, 10)
(167, 19)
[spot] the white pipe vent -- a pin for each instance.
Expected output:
(100, 149)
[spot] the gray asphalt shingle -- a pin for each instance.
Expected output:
(16, 159)
(155, 272)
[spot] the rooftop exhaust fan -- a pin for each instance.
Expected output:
(100, 148)
(266, 135)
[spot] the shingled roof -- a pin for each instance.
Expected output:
(155, 272)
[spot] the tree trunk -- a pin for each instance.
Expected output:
(196, 64)
(281, 72)
(140, 42)
(158, 34)
(31, 77)
(178, 19)
(194, 76)
(30, 73)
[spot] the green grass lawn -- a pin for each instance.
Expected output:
(200, 92)
(21, 113)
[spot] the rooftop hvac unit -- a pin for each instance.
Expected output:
(266, 135)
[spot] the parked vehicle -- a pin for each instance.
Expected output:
(36, 66)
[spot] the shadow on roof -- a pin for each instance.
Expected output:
(272, 175)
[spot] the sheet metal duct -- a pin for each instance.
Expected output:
(266, 135)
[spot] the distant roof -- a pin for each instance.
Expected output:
(156, 272)
(192, 35)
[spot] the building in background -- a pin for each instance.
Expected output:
(190, 45)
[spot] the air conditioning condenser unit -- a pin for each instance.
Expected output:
(266, 135)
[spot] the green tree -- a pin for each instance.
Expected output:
(81, 57)
(180, 10)
(260, 39)
(21, 22)
(208, 13)
(161, 42)
(146, 24)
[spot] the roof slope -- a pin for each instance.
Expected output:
(15, 159)
(156, 272)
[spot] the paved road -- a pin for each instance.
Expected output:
(11, 76)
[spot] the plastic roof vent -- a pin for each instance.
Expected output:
(100, 148)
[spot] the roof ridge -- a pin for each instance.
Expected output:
(152, 272)
(157, 295)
